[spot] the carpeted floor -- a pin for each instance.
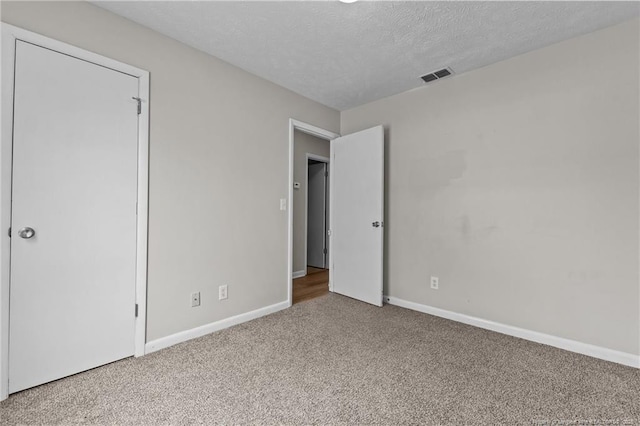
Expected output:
(334, 360)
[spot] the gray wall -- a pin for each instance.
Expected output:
(303, 144)
(517, 185)
(218, 162)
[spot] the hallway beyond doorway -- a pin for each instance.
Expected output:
(312, 285)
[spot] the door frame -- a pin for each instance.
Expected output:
(322, 134)
(10, 34)
(327, 161)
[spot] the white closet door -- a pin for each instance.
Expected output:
(72, 294)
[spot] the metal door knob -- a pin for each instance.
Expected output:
(376, 224)
(26, 233)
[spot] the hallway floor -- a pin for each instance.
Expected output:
(314, 284)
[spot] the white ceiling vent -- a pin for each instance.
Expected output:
(436, 75)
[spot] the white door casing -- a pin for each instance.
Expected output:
(357, 208)
(73, 230)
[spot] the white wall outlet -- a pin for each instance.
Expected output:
(283, 204)
(222, 292)
(195, 299)
(434, 283)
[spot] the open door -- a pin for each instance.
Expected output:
(357, 205)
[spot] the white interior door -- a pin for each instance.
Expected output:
(357, 206)
(316, 214)
(72, 291)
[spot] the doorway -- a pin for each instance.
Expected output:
(313, 280)
(356, 212)
(309, 254)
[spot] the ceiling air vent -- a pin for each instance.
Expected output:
(436, 75)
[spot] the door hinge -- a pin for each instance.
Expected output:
(329, 232)
(326, 174)
(139, 104)
(9, 232)
(324, 251)
(136, 310)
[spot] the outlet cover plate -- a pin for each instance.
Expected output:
(434, 283)
(195, 299)
(222, 292)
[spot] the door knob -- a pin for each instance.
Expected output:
(26, 233)
(376, 224)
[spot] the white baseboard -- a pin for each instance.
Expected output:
(299, 274)
(570, 345)
(183, 336)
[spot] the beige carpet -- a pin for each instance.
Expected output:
(333, 360)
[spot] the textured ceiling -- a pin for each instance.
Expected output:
(344, 55)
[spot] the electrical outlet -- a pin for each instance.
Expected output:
(434, 283)
(195, 299)
(222, 292)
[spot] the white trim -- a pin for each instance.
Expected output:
(314, 131)
(9, 36)
(309, 156)
(559, 342)
(299, 274)
(143, 215)
(332, 156)
(317, 158)
(183, 336)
